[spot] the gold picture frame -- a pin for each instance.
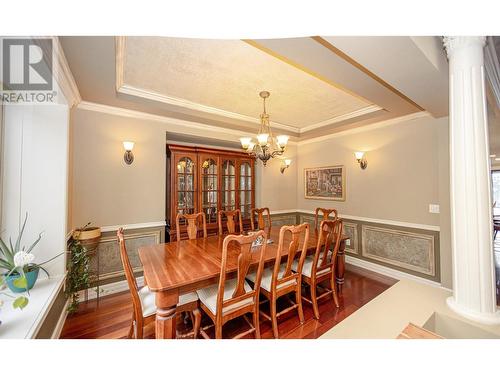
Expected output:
(325, 183)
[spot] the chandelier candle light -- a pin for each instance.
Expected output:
(267, 146)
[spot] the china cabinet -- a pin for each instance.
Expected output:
(208, 180)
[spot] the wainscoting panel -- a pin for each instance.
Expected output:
(278, 220)
(409, 250)
(306, 218)
(110, 264)
(351, 230)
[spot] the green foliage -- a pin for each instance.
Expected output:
(78, 272)
(7, 252)
(20, 302)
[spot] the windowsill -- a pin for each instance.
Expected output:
(19, 324)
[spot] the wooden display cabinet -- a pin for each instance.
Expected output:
(208, 180)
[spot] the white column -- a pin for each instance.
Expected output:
(470, 189)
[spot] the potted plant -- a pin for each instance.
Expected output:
(82, 242)
(20, 271)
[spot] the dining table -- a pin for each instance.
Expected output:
(175, 268)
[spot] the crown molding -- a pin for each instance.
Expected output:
(361, 129)
(179, 102)
(347, 116)
(61, 73)
(492, 67)
(64, 76)
(117, 111)
(123, 88)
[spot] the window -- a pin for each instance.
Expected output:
(495, 182)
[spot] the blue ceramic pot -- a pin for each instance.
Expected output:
(31, 278)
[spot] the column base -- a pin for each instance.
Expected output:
(484, 318)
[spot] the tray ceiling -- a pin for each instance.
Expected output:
(226, 76)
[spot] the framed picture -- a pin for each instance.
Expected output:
(325, 183)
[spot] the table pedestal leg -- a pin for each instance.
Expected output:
(166, 305)
(340, 267)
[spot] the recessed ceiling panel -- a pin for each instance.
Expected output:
(228, 75)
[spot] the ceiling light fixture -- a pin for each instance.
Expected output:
(267, 146)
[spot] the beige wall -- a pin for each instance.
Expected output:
(407, 171)
(105, 190)
(402, 175)
(108, 192)
(276, 190)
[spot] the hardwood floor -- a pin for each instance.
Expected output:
(111, 318)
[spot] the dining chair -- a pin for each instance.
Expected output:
(281, 279)
(261, 222)
(235, 297)
(192, 221)
(143, 300)
(231, 217)
(326, 212)
(321, 266)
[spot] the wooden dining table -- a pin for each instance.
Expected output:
(174, 268)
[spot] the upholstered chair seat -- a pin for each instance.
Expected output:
(208, 296)
(308, 264)
(233, 298)
(147, 298)
(267, 277)
(143, 299)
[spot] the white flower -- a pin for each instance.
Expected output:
(22, 258)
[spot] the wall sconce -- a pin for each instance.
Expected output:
(285, 164)
(128, 156)
(360, 157)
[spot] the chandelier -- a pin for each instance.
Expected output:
(267, 146)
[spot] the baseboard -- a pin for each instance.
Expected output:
(389, 271)
(60, 322)
(109, 289)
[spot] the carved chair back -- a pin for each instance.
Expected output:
(261, 222)
(129, 274)
(246, 253)
(231, 217)
(330, 232)
(325, 212)
(298, 233)
(192, 224)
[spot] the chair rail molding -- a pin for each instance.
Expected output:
(381, 221)
(152, 224)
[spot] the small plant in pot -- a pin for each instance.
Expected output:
(83, 242)
(20, 272)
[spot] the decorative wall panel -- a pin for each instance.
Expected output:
(110, 264)
(409, 250)
(351, 230)
(279, 220)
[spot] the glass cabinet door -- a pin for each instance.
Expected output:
(209, 188)
(185, 186)
(228, 185)
(245, 189)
